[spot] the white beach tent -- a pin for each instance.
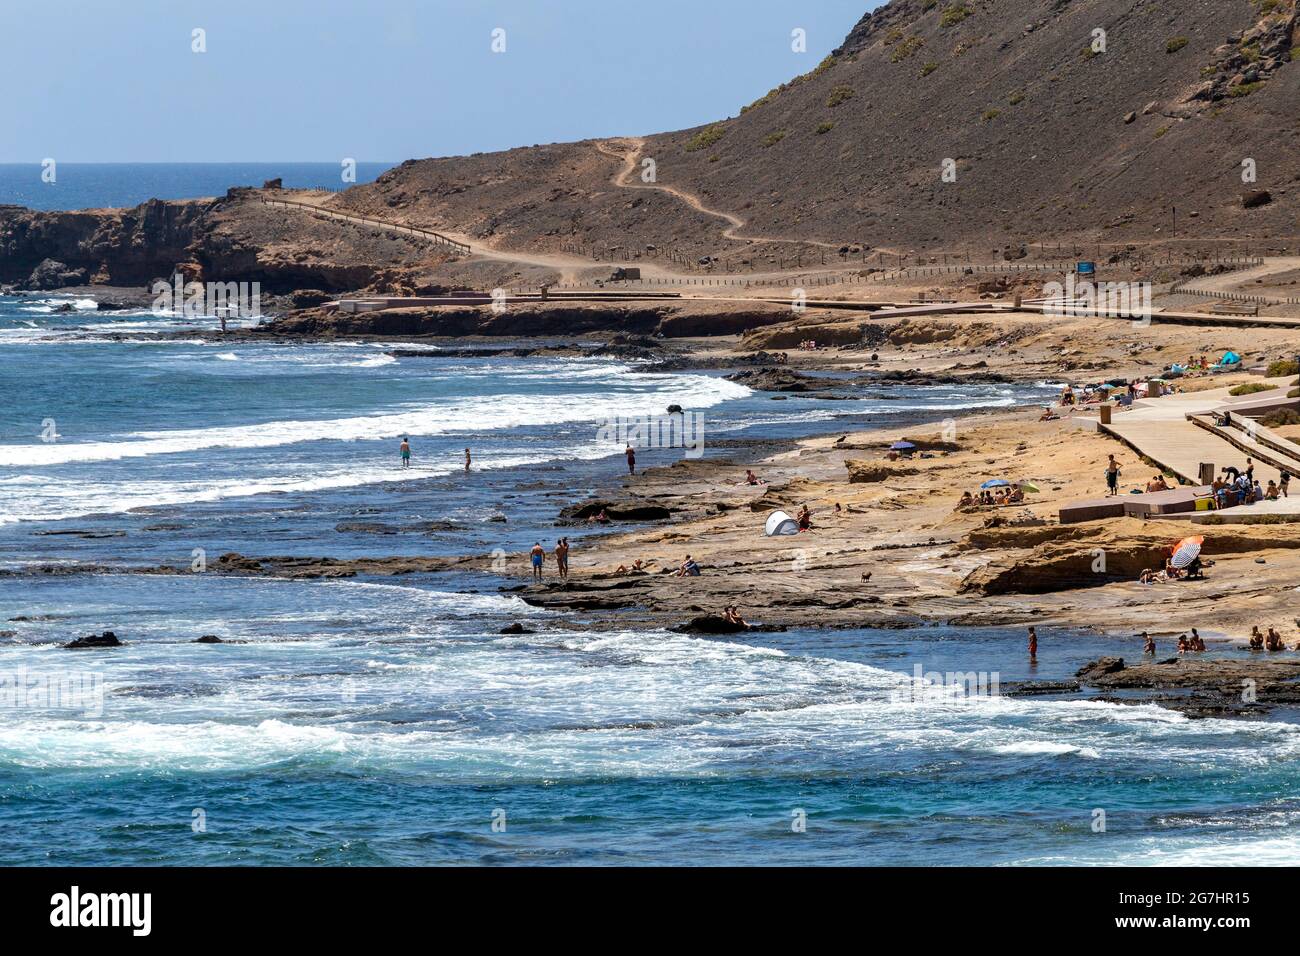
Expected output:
(778, 522)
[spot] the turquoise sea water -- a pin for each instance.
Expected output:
(387, 720)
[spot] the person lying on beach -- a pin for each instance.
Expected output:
(638, 567)
(1151, 576)
(804, 519)
(689, 569)
(1256, 638)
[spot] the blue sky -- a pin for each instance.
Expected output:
(116, 80)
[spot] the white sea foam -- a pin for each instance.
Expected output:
(500, 411)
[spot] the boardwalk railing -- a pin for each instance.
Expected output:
(435, 237)
(1236, 296)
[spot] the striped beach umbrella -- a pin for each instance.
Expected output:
(1187, 551)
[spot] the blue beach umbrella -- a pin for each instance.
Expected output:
(902, 446)
(996, 483)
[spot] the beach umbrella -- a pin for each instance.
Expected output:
(902, 446)
(1027, 485)
(1187, 551)
(1105, 387)
(996, 483)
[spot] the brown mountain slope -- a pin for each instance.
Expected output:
(853, 151)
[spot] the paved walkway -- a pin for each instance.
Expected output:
(1159, 429)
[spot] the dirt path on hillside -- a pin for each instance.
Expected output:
(631, 158)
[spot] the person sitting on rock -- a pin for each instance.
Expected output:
(804, 519)
(689, 568)
(751, 478)
(966, 500)
(731, 614)
(1270, 493)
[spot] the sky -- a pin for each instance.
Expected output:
(383, 80)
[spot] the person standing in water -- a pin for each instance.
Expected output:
(631, 459)
(562, 557)
(537, 556)
(1033, 646)
(467, 461)
(406, 453)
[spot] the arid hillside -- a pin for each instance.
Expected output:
(1063, 119)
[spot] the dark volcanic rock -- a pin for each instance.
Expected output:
(1103, 665)
(208, 639)
(52, 274)
(710, 624)
(107, 639)
(516, 628)
(616, 511)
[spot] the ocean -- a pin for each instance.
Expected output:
(387, 720)
(111, 185)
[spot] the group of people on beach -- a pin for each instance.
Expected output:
(404, 452)
(537, 557)
(1009, 495)
(1193, 643)
(1272, 641)
(808, 345)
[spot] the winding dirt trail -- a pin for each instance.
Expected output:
(631, 158)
